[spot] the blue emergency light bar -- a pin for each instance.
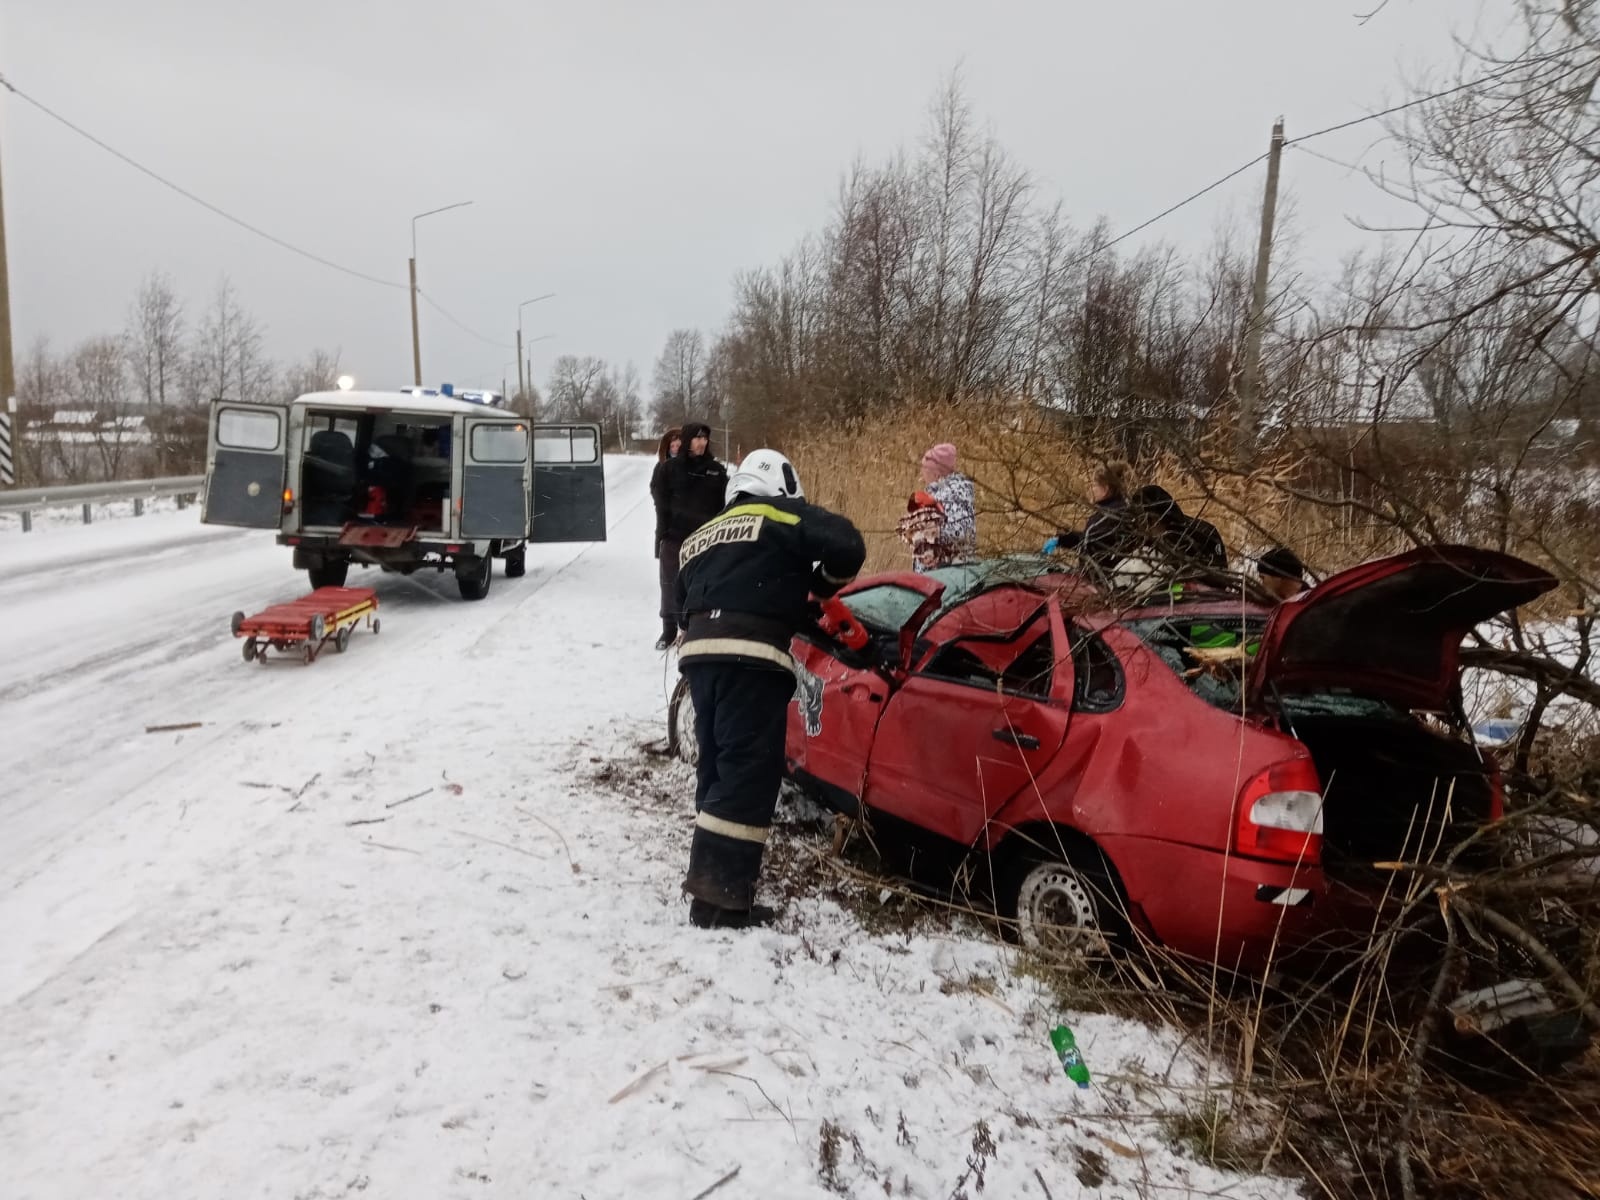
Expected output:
(491, 399)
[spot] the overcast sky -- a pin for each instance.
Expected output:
(628, 155)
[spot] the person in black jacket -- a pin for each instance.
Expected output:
(1188, 543)
(669, 449)
(691, 493)
(1108, 535)
(744, 589)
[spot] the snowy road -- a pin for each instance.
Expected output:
(406, 922)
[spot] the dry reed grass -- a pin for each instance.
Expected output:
(1031, 477)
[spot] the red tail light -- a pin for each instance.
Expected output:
(1497, 793)
(1280, 814)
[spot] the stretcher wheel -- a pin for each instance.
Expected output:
(375, 626)
(236, 624)
(250, 647)
(308, 650)
(341, 640)
(319, 628)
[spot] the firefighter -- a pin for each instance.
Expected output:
(744, 588)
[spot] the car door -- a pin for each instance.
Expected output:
(569, 484)
(977, 723)
(494, 477)
(247, 465)
(840, 695)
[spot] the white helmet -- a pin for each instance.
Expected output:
(764, 473)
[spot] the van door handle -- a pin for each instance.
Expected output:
(1022, 741)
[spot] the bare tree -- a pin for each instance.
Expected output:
(155, 340)
(98, 387)
(317, 372)
(228, 359)
(680, 378)
(41, 386)
(571, 391)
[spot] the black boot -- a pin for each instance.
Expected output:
(703, 915)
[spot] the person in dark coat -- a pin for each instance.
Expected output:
(1186, 542)
(745, 589)
(692, 488)
(1282, 573)
(671, 445)
(1107, 536)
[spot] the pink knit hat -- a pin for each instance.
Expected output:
(941, 458)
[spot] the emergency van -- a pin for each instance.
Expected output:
(416, 479)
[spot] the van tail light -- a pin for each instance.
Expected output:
(1280, 814)
(288, 499)
(1497, 793)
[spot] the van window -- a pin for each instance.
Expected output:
(565, 446)
(499, 443)
(316, 422)
(249, 429)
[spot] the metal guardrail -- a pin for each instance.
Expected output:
(28, 501)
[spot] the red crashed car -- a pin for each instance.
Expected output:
(1091, 769)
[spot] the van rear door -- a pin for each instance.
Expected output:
(496, 461)
(246, 465)
(569, 484)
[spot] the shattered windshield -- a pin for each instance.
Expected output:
(1207, 651)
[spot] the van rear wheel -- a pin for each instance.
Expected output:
(329, 573)
(517, 562)
(473, 577)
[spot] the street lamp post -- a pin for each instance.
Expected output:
(416, 341)
(521, 385)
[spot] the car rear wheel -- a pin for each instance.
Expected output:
(1068, 904)
(681, 741)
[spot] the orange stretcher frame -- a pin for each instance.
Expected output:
(306, 625)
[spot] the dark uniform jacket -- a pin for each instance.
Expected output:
(1195, 543)
(746, 576)
(691, 492)
(1109, 536)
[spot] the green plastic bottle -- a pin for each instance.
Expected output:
(1067, 1051)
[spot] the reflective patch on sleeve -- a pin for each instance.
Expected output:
(834, 579)
(732, 829)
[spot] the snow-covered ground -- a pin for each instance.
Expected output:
(390, 924)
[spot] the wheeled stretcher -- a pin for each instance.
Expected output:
(306, 625)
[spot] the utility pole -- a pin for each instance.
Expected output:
(416, 342)
(1250, 373)
(8, 379)
(521, 390)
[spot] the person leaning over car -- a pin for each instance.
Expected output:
(1107, 536)
(1282, 573)
(744, 588)
(692, 490)
(1187, 542)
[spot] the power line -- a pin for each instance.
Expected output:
(1167, 212)
(239, 221)
(445, 313)
(1342, 125)
(188, 195)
